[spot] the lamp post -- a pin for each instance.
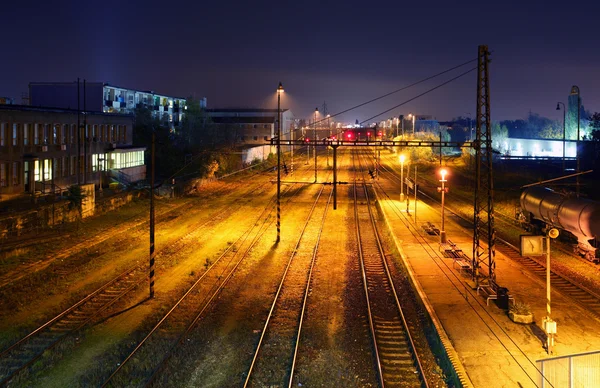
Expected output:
(402, 159)
(549, 324)
(279, 91)
(564, 131)
(575, 88)
(443, 190)
(413, 120)
(328, 137)
(315, 140)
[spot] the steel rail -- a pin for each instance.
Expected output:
(390, 286)
(276, 298)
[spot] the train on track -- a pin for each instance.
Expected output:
(542, 207)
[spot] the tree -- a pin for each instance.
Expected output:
(499, 136)
(594, 126)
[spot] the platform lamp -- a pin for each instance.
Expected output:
(279, 92)
(564, 131)
(402, 159)
(443, 189)
(548, 323)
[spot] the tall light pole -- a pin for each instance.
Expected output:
(443, 190)
(328, 138)
(413, 120)
(279, 91)
(548, 323)
(573, 89)
(564, 131)
(402, 159)
(315, 140)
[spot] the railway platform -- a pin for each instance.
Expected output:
(487, 349)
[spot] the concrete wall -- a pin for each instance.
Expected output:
(52, 215)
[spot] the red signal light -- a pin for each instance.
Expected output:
(307, 139)
(349, 135)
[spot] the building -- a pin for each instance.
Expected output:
(39, 150)
(6, 101)
(253, 128)
(103, 97)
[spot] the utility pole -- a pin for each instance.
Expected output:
(78, 159)
(279, 91)
(315, 142)
(85, 138)
(151, 274)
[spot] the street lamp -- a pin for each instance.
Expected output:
(402, 159)
(443, 190)
(548, 323)
(575, 90)
(279, 92)
(564, 131)
(328, 137)
(315, 140)
(413, 120)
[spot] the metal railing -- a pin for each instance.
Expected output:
(570, 371)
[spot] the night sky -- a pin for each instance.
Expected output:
(344, 53)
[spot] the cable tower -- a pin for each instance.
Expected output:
(484, 234)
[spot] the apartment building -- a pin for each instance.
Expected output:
(107, 98)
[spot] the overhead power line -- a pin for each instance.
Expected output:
(420, 95)
(399, 90)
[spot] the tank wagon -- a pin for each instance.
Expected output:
(542, 207)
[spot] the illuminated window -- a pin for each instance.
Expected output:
(15, 134)
(55, 129)
(36, 171)
(47, 169)
(25, 134)
(94, 162)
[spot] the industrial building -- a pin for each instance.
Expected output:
(253, 128)
(41, 150)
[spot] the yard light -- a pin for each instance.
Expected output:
(548, 323)
(402, 159)
(443, 189)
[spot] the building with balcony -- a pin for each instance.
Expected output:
(103, 97)
(41, 150)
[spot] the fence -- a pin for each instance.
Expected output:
(571, 371)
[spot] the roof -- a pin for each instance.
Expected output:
(28, 108)
(105, 84)
(244, 110)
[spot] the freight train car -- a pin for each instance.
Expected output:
(542, 208)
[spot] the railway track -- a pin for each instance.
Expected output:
(274, 360)
(29, 265)
(165, 342)
(30, 348)
(396, 356)
(143, 364)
